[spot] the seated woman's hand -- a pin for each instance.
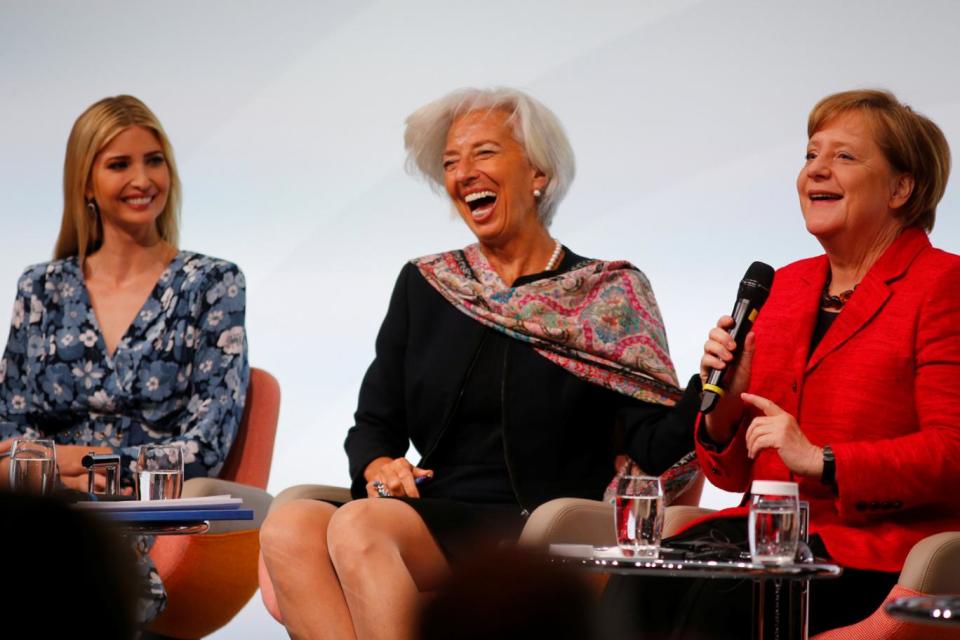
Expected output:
(777, 429)
(69, 458)
(718, 354)
(80, 483)
(73, 474)
(393, 477)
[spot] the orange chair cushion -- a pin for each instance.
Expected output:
(208, 579)
(882, 626)
(252, 452)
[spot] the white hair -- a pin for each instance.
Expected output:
(535, 128)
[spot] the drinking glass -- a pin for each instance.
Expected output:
(638, 515)
(159, 472)
(33, 466)
(774, 523)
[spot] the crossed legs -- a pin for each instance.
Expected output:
(353, 572)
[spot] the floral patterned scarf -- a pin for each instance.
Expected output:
(599, 321)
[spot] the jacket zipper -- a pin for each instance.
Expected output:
(503, 431)
(456, 403)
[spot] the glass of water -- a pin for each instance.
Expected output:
(33, 466)
(638, 515)
(774, 523)
(159, 472)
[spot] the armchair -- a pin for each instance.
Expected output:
(572, 520)
(932, 568)
(210, 577)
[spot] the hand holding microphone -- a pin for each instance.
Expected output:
(730, 347)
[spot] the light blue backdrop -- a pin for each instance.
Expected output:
(688, 120)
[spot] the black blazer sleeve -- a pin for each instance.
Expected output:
(656, 436)
(380, 428)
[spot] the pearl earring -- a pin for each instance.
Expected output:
(537, 193)
(92, 207)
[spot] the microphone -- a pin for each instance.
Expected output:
(753, 292)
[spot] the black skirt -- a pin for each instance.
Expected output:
(469, 505)
(464, 529)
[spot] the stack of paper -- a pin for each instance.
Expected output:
(179, 510)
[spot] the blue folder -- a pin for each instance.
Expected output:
(179, 515)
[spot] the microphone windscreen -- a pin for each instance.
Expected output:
(756, 283)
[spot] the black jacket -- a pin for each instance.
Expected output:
(559, 431)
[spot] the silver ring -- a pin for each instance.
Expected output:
(382, 490)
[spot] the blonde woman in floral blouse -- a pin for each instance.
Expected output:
(123, 339)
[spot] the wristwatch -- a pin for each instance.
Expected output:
(829, 475)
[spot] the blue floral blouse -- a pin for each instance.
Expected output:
(178, 374)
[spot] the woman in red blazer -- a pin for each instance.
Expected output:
(852, 371)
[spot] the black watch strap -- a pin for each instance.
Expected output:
(829, 475)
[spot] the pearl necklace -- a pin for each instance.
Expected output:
(554, 257)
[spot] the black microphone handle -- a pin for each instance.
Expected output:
(744, 313)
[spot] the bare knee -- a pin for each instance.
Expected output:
(295, 528)
(383, 536)
(356, 532)
(351, 528)
(267, 594)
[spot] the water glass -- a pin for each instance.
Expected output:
(638, 515)
(33, 466)
(774, 523)
(159, 472)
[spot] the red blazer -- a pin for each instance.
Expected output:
(882, 388)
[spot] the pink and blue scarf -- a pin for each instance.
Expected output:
(598, 320)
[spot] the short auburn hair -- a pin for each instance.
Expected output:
(911, 142)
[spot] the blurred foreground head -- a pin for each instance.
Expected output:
(64, 574)
(510, 594)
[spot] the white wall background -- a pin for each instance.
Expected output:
(688, 119)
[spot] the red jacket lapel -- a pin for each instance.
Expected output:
(871, 294)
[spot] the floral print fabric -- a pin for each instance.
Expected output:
(178, 374)
(599, 320)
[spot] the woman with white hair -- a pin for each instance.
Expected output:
(509, 366)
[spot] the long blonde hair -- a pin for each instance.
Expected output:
(81, 231)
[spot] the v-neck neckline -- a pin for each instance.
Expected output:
(95, 321)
